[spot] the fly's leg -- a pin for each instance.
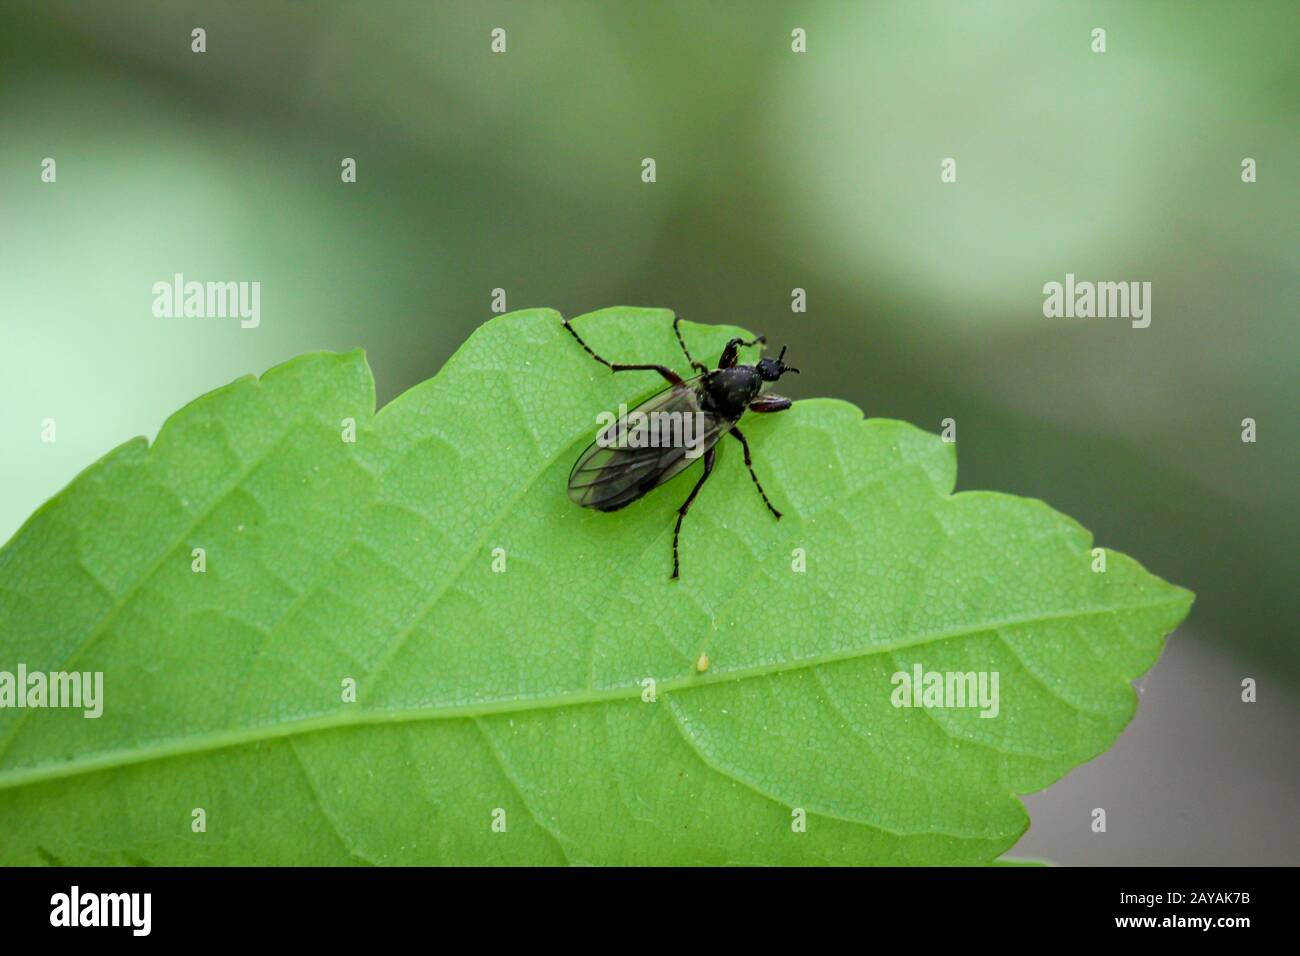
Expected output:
(771, 402)
(728, 358)
(698, 366)
(749, 463)
(686, 505)
(663, 370)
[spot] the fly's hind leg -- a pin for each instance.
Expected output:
(698, 366)
(686, 505)
(663, 370)
(749, 463)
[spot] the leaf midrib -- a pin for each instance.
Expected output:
(186, 746)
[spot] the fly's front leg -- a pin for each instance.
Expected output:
(728, 359)
(749, 463)
(686, 505)
(771, 402)
(663, 370)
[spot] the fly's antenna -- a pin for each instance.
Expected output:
(785, 368)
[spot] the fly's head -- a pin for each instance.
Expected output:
(771, 369)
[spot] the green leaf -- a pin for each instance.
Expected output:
(522, 691)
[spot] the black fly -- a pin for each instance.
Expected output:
(663, 435)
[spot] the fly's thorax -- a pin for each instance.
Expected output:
(728, 391)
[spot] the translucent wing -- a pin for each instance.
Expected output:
(654, 442)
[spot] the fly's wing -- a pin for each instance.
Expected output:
(645, 449)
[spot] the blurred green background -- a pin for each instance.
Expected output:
(775, 170)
